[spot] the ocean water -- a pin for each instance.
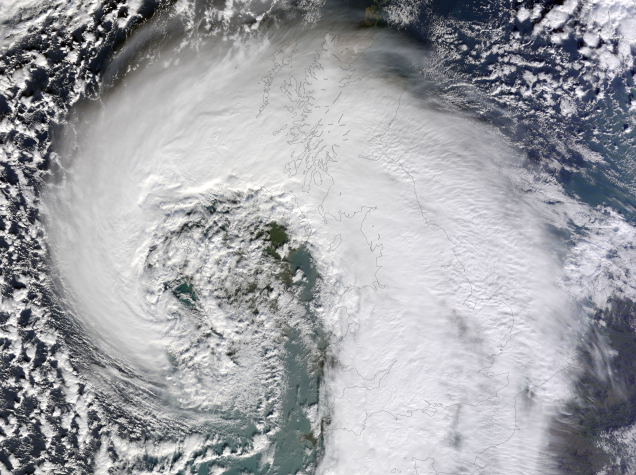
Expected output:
(317, 237)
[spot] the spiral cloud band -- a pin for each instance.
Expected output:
(278, 244)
